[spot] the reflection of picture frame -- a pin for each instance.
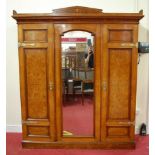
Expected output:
(80, 47)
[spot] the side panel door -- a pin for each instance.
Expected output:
(36, 61)
(119, 73)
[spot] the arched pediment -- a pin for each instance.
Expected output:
(77, 10)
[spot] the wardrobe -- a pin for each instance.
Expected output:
(105, 119)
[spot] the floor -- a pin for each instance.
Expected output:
(14, 148)
(78, 118)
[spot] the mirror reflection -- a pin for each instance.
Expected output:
(77, 49)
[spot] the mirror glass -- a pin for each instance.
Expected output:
(77, 62)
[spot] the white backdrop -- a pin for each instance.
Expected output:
(13, 118)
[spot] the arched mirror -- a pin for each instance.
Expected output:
(77, 66)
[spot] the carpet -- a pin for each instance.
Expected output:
(14, 147)
(77, 118)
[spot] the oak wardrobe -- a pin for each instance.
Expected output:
(78, 71)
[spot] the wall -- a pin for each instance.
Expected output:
(24, 6)
(143, 69)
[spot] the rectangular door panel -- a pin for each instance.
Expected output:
(118, 35)
(35, 35)
(36, 82)
(119, 84)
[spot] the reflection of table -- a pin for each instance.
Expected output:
(73, 77)
(70, 85)
(79, 73)
(78, 81)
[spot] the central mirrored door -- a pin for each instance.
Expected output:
(77, 75)
(78, 95)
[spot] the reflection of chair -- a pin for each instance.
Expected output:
(70, 75)
(77, 86)
(88, 83)
(77, 81)
(81, 78)
(68, 63)
(64, 89)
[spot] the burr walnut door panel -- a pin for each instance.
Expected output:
(36, 79)
(119, 67)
